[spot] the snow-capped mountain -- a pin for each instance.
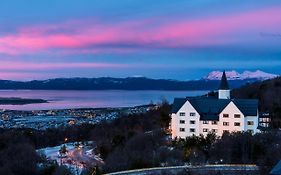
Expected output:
(234, 75)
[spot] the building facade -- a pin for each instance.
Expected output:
(202, 115)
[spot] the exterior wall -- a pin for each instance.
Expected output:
(224, 94)
(210, 127)
(231, 110)
(174, 125)
(187, 108)
(253, 128)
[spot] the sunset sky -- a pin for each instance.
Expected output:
(182, 39)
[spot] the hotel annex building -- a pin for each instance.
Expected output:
(201, 115)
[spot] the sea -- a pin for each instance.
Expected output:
(61, 99)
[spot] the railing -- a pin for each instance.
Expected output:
(224, 167)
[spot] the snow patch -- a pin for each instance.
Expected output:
(234, 75)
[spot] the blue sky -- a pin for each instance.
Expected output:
(158, 39)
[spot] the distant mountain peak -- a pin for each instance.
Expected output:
(234, 75)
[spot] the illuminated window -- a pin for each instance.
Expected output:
(205, 122)
(251, 131)
(205, 130)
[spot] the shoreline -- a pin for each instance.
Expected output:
(45, 119)
(80, 108)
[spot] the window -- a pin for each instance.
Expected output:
(236, 124)
(182, 129)
(237, 116)
(182, 114)
(182, 121)
(225, 115)
(192, 114)
(250, 131)
(205, 130)
(225, 131)
(214, 130)
(214, 122)
(192, 121)
(250, 122)
(225, 123)
(205, 122)
(192, 130)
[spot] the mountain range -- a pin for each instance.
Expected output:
(209, 82)
(234, 75)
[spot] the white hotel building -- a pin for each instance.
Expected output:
(201, 115)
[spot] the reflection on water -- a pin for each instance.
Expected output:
(91, 99)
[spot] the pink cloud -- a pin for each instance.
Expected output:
(85, 34)
(15, 65)
(217, 30)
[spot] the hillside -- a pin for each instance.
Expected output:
(108, 83)
(269, 94)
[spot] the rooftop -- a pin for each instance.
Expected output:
(209, 108)
(224, 83)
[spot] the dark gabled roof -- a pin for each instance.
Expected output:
(249, 107)
(224, 83)
(209, 117)
(177, 104)
(276, 169)
(209, 108)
